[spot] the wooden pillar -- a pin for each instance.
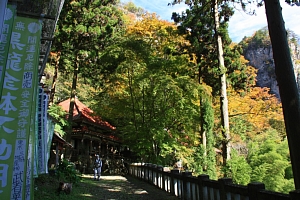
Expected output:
(99, 147)
(203, 192)
(254, 188)
(223, 182)
(91, 147)
(285, 77)
(294, 195)
(81, 146)
(173, 183)
(186, 185)
(56, 155)
(107, 150)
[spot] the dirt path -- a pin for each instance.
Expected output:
(123, 188)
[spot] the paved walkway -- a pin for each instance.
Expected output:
(127, 188)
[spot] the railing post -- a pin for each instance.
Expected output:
(159, 177)
(141, 170)
(254, 188)
(223, 182)
(203, 194)
(145, 171)
(154, 179)
(150, 173)
(186, 185)
(172, 185)
(295, 195)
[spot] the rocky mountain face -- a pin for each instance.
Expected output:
(261, 57)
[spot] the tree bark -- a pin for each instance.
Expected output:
(223, 96)
(71, 109)
(286, 81)
(52, 94)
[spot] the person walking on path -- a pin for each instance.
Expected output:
(97, 168)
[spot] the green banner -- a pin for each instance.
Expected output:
(3, 4)
(41, 134)
(16, 105)
(29, 191)
(5, 39)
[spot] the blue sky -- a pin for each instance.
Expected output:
(240, 24)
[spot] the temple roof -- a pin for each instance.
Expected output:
(60, 141)
(81, 111)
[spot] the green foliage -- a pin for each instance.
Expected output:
(207, 117)
(240, 127)
(131, 7)
(261, 38)
(270, 163)
(199, 161)
(238, 169)
(146, 84)
(83, 31)
(279, 126)
(197, 24)
(59, 116)
(150, 96)
(204, 156)
(66, 172)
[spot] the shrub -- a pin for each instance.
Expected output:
(66, 172)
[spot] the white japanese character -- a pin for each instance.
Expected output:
(21, 133)
(28, 66)
(7, 104)
(9, 82)
(22, 122)
(4, 119)
(24, 103)
(25, 94)
(3, 175)
(5, 148)
(13, 61)
(30, 48)
(30, 57)
(20, 26)
(32, 39)
(23, 113)
(15, 41)
(5, 29)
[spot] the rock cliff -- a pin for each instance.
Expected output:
(258, 51)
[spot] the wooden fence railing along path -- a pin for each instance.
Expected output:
(188, 187)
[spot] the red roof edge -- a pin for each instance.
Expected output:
(81, 110)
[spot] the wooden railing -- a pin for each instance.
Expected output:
(187, 187)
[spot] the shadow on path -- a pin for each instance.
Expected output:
(122, 188)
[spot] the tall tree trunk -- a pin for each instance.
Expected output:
(202, 130)
(52, 94)
(130, 77)
(71, 108)
(223, 96)
(286, 81)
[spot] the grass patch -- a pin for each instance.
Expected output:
(46, 189)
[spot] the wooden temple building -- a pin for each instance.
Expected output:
(90, 136)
